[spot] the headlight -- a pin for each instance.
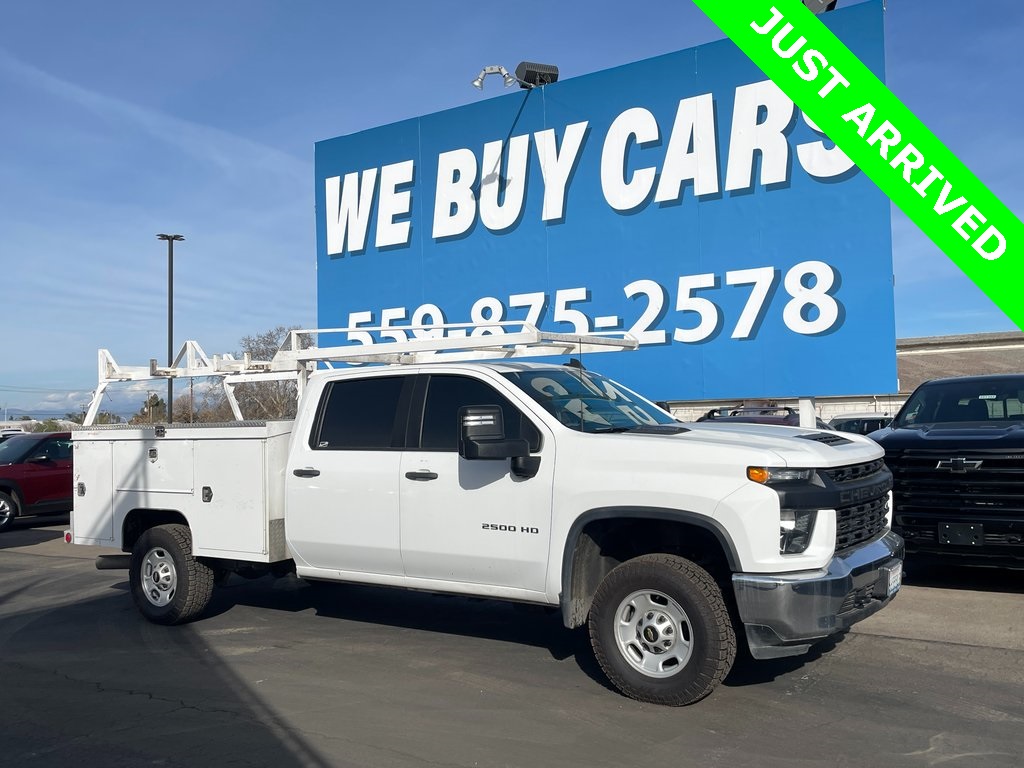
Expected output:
(795, 527)
(768, 475)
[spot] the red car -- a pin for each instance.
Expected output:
(36, 475)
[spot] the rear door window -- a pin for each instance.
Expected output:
(362, 414)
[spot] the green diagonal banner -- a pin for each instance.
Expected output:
(886, 141)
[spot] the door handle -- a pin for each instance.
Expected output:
(306, 472)
(423, 474)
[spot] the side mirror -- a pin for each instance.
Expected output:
(482, 435)
(41, 458)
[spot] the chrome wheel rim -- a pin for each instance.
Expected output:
(6, 512)
(159, 577)
(653, 633)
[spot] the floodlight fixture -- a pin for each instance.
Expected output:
(494, 69)
(530, 74)
(820, 6)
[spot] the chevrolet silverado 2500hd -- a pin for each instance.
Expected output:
(525, 481)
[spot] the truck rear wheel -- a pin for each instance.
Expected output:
(661, 631)
(168, 584)
(8, 511)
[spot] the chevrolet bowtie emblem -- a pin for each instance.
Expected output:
(958, 465)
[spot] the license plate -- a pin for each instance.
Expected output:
(895, 579)
(962, 534)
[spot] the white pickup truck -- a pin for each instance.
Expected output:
(525, 481)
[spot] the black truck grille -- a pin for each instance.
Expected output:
(959, 484)
(860, 522)
(964, 503)
(854, 471)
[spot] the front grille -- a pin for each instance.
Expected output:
(861, 522)
(857, 523)
(925, 482)
(853, 472)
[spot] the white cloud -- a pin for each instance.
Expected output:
(237, 156)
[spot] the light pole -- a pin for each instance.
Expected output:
(171, 240)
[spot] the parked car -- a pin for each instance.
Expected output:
(784, 416)
(956, 452)
(860, 423)
(10, 432)
(35, 475)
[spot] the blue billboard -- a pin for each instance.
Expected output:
(682, 198)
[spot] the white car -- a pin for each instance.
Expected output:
(860, 423)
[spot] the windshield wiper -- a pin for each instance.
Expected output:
(650, 429)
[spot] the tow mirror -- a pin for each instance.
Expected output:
(482, 435)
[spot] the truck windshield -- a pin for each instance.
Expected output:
(985, 401)
(589, 402)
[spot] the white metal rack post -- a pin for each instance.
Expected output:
(297, 359)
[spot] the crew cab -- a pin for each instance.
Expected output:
(35, 475)
(532, 482)
(956, 451)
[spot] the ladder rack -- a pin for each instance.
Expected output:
(298, 357)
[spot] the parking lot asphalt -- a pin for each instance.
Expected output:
(281, 673)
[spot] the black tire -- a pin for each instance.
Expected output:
(168, 584)
(661, 631)
(8, 510)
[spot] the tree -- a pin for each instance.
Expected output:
(204, 403)
(103, 417)
(256, 400)
(153, 410)
(50, 425)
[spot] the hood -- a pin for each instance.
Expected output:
(772, 445)
(997, 436)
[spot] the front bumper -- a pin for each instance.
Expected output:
(784, 613)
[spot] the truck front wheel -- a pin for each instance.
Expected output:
(661, 631)
(168, 584)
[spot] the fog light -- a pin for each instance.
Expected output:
(795, 527)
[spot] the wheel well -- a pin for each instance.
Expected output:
(138, 521)
(604, 543)
(11, 491)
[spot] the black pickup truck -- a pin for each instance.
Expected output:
(956, 452)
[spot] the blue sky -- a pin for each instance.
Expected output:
(124, 119)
